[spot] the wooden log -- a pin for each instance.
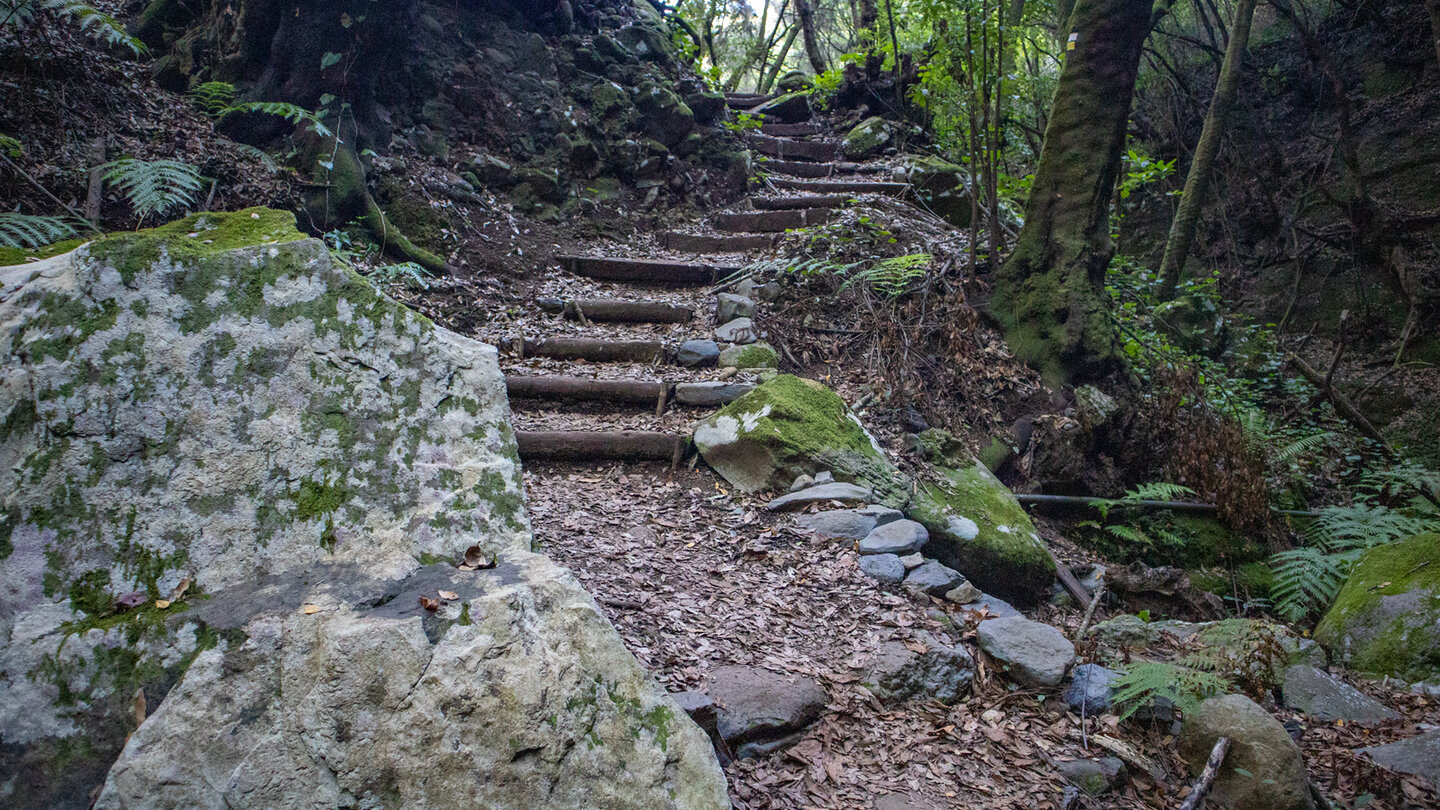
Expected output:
(840, 186)
(617, 310)
(581, 445)
(785, 149)
(592, 350)
(645, 271)
(791, 130)
(772, 221)
(708, 243)
(802, 201)
(581, 388)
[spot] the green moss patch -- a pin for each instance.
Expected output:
(14, 255)
(1385, 617)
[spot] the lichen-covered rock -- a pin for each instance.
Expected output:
(1317, 694)
(867, 138)
(978, 528)
(753, 355)
(1386, 618)
(938, 672)
(231, 470)
(1263, 770)
(791, 108)
(1031, 652)
(943, 186)
(788, 427)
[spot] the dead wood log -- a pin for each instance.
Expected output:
(582, 445)
(635, 391)
(1207, 776)
(594, 351)
(1342, 403)
(616, 310)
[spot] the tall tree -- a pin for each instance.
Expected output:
(1202, 167)
(1049, 296)
(806, 11)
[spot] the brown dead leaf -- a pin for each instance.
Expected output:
(179, 590)
(429, 604)
(137, 706)
(449, 595)
(162, 603)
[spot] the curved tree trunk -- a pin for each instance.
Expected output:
(812, 39)
(768, 82)
(1202, 167)
(1049, 296)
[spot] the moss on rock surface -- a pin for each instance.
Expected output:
(753, 355)
(1386, 618)
(867, 138)
(976, 526)
(790, 426)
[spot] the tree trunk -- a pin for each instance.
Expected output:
(866, 21)
(769, 82)
(1202, 167)
(812, 39)
(1049, 296)
(1434, 6)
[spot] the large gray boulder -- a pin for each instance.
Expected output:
(1092, 689)
(1386, 618)
(759, 709)
(897, 537)
(231, 472)
(1419, 756)
(1263, 770)
(1315, 693)
(1033, 653)
(937, 672)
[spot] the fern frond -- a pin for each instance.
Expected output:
(893, 277)
(1306, 580)
(10, 146)
(260, 155)
(293, 113)
(1131, 534)
(214, 98)
(154, 186)
(410, 273)
(25, 231)
(94, 22)
(1148, 680)
(1158, 491)
(1302, 446)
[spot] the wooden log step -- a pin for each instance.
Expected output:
(617, 310)
(800, 130)
(796, 168)
(707, 243)
(645, 271)
(816, 151)
(619, 445)
(745, 101)
(582, 388)
(591, 350)
(771, 221)
(841, 186)
(803, 201)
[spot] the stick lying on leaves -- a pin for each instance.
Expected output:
(1207, 776)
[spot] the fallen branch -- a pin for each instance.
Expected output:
(1342, 404)
(1207, 776)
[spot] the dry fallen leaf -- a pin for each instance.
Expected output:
(429, 604)
(179, 590)
(449, 595)
(162, 603)
(309, 609)
(137, 706)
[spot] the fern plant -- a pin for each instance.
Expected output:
(1225, 656)
(217, 100)
(1146, 682)
(25, 231)
(412, 274)
(154, 187)
(21, 14)
(214, 98)
(893, 277)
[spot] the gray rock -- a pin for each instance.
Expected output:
(1092, 578)
(769, 291)
(941, 673)
(882, 514)
(1094, 776)
(710, 393)
(1263, 770)
(801, 481)
(911, 561)
(1318, 695)
(839, 524)
(696, 353)
(756, 705)
(752, 355)
(964, 594)
(933, 578)
(1032, 652)
(897, 537)
(289, 443)
(1091, 689)
(729, 306)
(824, 477)
(885, 567)
(1419, 756)
(822, 493)
(996, 607)
(739, 330)
(1125, 631)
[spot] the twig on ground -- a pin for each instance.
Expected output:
(1207, 776)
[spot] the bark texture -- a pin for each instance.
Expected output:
(812, 41)
(1202, 168)
(1049, 295)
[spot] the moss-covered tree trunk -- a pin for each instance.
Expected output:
(1049, 295)
(812, 38)
(1202, 167)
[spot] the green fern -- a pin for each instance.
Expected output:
(1154, 491)
(20, 14)
(25, 231)
(154, 187)
(893, 277)
(10, 146)
(1147, 681)
(260, 155)
(410, 273)
(215, 98)
(1303, 446)
(290, 112)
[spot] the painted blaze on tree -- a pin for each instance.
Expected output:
(1050, 294)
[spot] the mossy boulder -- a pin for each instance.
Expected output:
(868, 138)
(976, 526)
(787, 427)
(1386, 618)
(664, 116)
(754, 355)
(231, 469)
(791, 108)
(943, 186)
(796, 81)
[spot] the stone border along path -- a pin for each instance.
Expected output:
(607, 395)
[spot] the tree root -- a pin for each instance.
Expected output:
(349, 179)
